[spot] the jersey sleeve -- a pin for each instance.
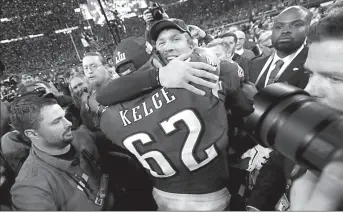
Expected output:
(235, 100)
(230, 76)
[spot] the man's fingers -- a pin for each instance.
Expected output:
(193, 89)
(146, 11)
(301, 190)
(204, 74)
(328, 193)
(184, 57)
(199, 81)
(203, 66)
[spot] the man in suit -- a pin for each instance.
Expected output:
(288, 38)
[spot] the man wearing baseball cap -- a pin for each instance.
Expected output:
(191, 174)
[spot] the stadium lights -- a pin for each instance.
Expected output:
(66, 30)
(5, 20)
(34, 36)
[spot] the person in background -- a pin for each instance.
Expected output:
(223, 51)
(265, 43)
(96, 70)
(26, 79)
(240, 50)
(77, 83)
(231, 38)
(61, 172)
(288, 39)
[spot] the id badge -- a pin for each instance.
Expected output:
(283, 204)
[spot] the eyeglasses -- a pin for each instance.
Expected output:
(92, 67)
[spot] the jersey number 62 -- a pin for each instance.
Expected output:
(190, 119)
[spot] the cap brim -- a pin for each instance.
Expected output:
(161, 25)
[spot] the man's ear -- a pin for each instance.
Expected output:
(31, 134)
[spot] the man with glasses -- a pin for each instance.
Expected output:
(96, 70)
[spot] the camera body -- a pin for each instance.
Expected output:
(296, 125)
(156, 11)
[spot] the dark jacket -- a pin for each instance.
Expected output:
(46, 182)
(271, 182)
(15, 148)
(244, 64)
(295, 74)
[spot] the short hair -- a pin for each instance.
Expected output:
(28, 87)
(75, 96)
(220, 42)
(25, 112)
(229, 34)
(328, 28)
(101, 58)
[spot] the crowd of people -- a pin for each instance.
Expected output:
(49, 17)
(161, 122)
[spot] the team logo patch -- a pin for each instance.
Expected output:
(148, 47)
(240, 72)
(120, 57)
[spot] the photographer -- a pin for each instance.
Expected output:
(325, 66)
(154, 13)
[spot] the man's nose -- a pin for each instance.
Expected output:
(169, 47)
(286, 29)
(67, 123)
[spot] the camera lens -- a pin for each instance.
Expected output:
(296, 125)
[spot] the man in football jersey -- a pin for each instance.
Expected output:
(180, 137)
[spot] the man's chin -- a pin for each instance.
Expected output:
(68, 138)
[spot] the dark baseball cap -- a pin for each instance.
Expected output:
(131, 54)
(171, 23)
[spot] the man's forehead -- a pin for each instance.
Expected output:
(240, 34)
(91, 59)
(325, 56)
(51, 112)
(292, 14)
(170, 31)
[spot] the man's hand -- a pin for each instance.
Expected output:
(196, 32)
(147, 16)
(323, 193)
(178, 73)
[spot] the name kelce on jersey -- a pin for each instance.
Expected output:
(159, 99)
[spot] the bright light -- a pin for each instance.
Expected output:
(34, 36)
(5, 20)
(66, 30)
(77, 10)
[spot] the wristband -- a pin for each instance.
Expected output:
(157, 76)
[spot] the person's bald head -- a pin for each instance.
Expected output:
(290, 28)
(294, 13)
(240, 39)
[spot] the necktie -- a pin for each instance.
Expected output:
(275, 71)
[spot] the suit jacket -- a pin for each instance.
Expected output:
(294, 74)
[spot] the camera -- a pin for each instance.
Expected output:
(290, 121)
(156, 11)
